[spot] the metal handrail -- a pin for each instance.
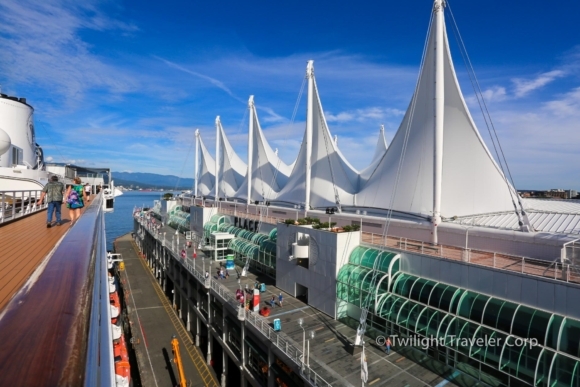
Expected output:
(16, 204)
(76, 346)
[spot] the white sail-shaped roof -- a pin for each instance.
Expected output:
(330, 174)
(232, 170)
(471, 182)
(380, 151)
(206, 177)
(267, 173)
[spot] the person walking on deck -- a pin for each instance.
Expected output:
(388, 346)
(88, 192)
(280, 299)
(53, 191)
(75, 198)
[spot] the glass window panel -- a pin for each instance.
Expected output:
(528, 361)
(449, 299)
(465, 334)
(477, 308)
(384, 284)
(444, 325)
(539, 326)
(357, 276)
(522, 320)
(492, 311)
(368, 279)
(385, 259)
(553, 331)
(385, 305)
(436, 294)
(564, 372)
(403, 284)
(426, 292)
(465, 304)
(494, 341)
(505, 316)
(453, 331)
(477, 350)
(417, 287)
(344, 273)
(403, 315)
(570, 339)
(354, 295)
(544, 366)
(391, 315)
(423, 321)
(511, 356)
(433, 324)
(369, 257)
(356, 255)
(414, 316)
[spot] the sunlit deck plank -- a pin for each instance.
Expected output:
(24, 244)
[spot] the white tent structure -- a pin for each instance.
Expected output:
(437, 164)
(321, 176)
(204, 173)
(380, 151)
(267, 173)
(230, 170)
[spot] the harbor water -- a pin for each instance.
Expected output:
(120, 221)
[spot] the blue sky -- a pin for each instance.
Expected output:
(124, 84)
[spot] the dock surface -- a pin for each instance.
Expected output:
(153, 323)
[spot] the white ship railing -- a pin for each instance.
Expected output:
(16, 204)
(261, 324)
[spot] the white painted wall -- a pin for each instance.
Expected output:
(329, 251)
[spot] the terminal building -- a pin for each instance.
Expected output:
(430, 245)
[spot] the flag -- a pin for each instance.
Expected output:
(364, 371)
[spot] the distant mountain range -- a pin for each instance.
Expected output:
(151, 180)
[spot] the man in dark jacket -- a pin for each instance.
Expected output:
(54, 193)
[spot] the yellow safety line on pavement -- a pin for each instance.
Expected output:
(196, 358)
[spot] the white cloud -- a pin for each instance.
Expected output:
(41, 47)
(568, 105)
(362, 115)
(523, 86)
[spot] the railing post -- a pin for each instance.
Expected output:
(523, 264)
(494, 259)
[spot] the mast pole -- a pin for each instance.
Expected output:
(439, 116)
(250, 146)
(217, 158)
(196, 161)
(309, 125)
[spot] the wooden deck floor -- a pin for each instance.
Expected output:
(23, 246)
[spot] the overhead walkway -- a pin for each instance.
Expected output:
(495, 340)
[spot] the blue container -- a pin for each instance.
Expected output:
(277, 325)
(262, 288)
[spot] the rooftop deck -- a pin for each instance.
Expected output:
(524, 265)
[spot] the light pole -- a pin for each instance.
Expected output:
(311, 335)
(301, 323)
(466, 252)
